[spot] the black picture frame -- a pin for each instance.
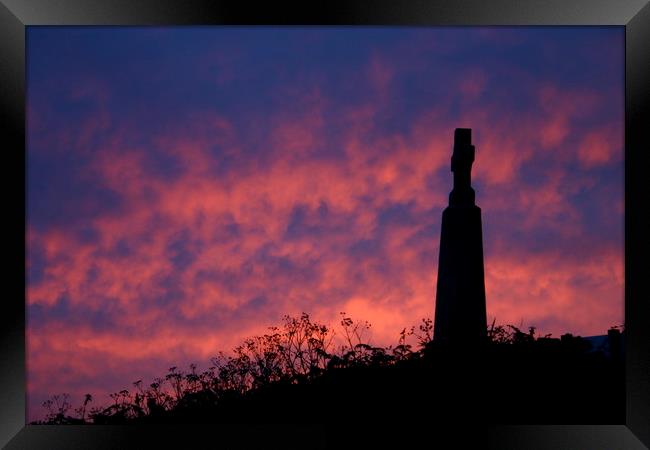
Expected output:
(15, 15)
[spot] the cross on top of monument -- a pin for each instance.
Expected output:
(461, 164)
(462, 137)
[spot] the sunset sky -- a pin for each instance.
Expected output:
(187, 187)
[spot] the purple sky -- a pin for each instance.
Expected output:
(187, 187)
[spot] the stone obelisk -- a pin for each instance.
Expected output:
(460, 296)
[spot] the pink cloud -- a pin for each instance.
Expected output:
(601, 146)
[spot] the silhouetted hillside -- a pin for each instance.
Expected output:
(297, 374)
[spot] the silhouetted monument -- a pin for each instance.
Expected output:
(460, 315)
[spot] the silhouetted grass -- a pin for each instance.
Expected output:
(297, 373)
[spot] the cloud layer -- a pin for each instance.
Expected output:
(188, 187)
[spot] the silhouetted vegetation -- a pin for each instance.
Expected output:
(299, 372)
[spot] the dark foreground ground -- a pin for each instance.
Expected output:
(539, 383)
(289, 376)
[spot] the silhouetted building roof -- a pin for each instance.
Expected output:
(614, 340)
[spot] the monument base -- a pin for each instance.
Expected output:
(460, 296)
